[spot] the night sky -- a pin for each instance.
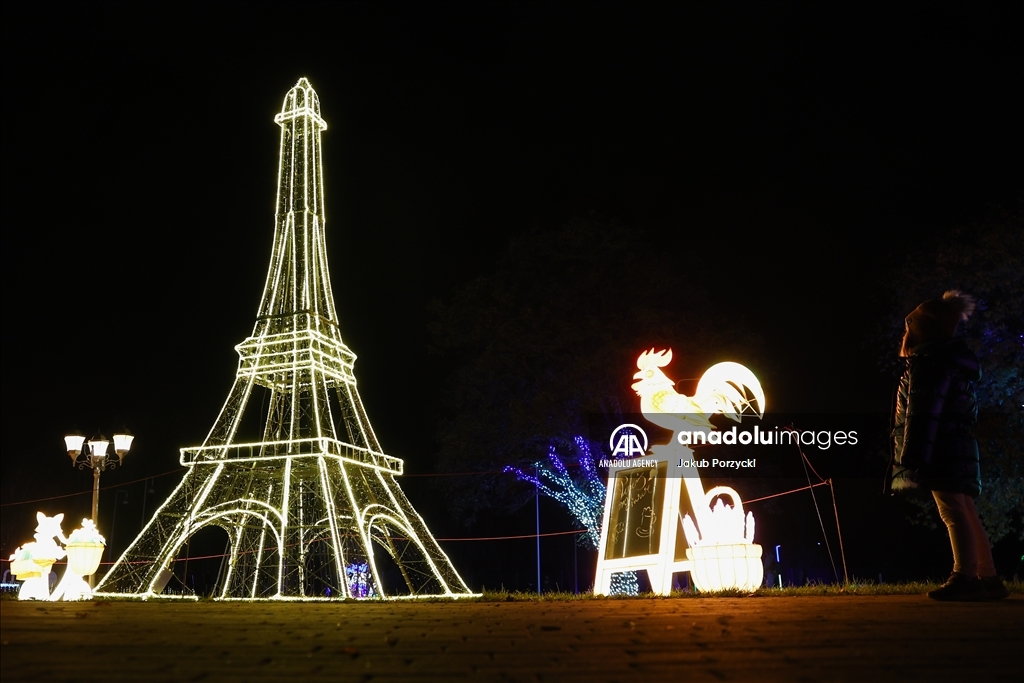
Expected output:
(805, 147)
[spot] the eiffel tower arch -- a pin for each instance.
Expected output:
(305, 503)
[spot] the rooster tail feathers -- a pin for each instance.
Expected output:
(727, 399)
(724, 388)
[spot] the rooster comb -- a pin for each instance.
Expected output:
(658, 359)
(959, 302)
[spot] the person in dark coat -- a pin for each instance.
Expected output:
(936, 411)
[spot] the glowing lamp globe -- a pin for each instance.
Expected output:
(123, 443)
(98, 446)
(74, 444)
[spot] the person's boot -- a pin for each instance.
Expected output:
(959, 588)
(994, 588)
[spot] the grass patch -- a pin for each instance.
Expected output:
(855, 587)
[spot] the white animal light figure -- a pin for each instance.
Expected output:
(34, 559)
(38, 556)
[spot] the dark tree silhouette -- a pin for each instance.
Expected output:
(551, 336)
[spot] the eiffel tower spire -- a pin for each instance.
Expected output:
(296, 345)
(309, 511)
(298, 279)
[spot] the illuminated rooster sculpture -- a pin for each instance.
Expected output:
(722, 389)
(720, 549)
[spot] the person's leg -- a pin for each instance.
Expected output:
(960, 523)
(963, 583)
(991, 584)
(982, 549)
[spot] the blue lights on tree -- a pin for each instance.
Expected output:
(583, 494)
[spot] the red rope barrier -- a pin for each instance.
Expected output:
(89, 491)
(786, 493)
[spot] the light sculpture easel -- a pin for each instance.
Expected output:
(645, 507)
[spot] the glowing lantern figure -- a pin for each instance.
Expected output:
(645, 508)
(31, 562)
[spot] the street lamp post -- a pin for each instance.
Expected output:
(93, 454)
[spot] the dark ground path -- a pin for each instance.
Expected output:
(844, 638)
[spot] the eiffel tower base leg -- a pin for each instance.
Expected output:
(303, 531)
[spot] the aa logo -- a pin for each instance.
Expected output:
(628, 441)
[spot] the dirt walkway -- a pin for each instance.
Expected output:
(732, 639)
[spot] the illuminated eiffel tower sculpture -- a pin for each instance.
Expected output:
(303, 507)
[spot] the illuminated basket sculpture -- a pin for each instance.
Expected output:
(85, 548)
(30, 569)
(84, 558)
(645, 507)
(726, 556)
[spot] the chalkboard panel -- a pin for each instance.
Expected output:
(634, 525)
